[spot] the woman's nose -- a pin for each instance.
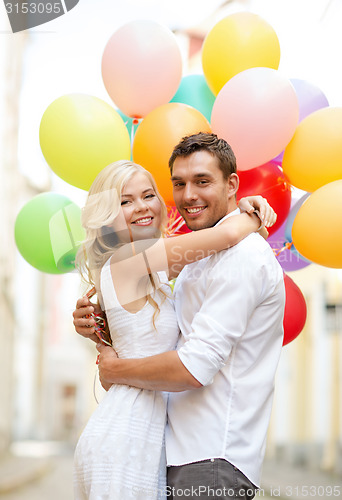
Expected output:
(140, 205)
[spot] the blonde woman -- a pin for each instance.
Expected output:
(120, 454)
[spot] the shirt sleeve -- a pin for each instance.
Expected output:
(233, 292)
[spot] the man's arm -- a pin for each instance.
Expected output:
(162, 372)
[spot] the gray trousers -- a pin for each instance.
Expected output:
(211, 479)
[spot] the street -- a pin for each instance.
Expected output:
(51, 479)
(54, 485)
(57, 483)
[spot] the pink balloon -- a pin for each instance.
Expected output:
(256, 112)
(141, 67)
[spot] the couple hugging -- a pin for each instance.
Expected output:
(190, 374)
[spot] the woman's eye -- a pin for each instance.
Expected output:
(150, 195)
(124, 202)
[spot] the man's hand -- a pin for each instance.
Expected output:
(106, 361)
(83, 325)
(251, 203)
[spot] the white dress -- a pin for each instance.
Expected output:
(121, 452)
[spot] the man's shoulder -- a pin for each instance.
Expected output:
(252, 252)
(253, 244)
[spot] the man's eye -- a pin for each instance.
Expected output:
(202, 182)
(178, 184)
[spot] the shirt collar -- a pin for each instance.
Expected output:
(234, 212)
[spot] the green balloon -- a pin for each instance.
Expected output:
(48, 233)
(194, 91)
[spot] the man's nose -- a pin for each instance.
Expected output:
(190, 193)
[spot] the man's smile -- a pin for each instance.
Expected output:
(195, 211)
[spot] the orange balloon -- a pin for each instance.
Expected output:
(158, 134)
(317, 227)
(313, 157)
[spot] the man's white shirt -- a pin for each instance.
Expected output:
(230, 310)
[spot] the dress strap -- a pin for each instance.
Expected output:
(107, 287)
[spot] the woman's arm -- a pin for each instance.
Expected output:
(172, 254)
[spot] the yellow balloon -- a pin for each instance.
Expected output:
(80, 135)
(313, 157)
(317, 227)
(240, 41)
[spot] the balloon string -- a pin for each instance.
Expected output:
(174, 226)
(280, 180)
(181, 224)
(176, 221)
(287, 246)
(135, 121)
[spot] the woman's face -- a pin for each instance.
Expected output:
(140, 210)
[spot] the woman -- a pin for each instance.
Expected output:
(120, 453)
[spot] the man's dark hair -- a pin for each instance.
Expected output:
(203, 141)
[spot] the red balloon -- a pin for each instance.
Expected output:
(269, 181)
(175, 224)
(295, 311)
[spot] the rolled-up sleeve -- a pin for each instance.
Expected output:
(233, 291)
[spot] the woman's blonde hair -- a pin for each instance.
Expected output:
(102, 206)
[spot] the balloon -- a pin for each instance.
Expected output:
(194, 91)
(291, 218)
(257, 113)
(317, 227)
(141, 67)
(48, 232)
(176, 224)
(310, 99)
(131, 124)
(238, 42)
(267, 180)
(288, 259)
(80, 135)
(158, 134)
(295, 311)
(314, 155)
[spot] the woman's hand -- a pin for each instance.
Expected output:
(83, 322)
(106, 362)
(251, 203)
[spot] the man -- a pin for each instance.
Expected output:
(230, 311)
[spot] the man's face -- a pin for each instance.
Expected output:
(201, 194)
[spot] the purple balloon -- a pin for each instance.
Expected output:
(310, 99)
(289, 258)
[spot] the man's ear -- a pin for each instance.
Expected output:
(232, 185)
